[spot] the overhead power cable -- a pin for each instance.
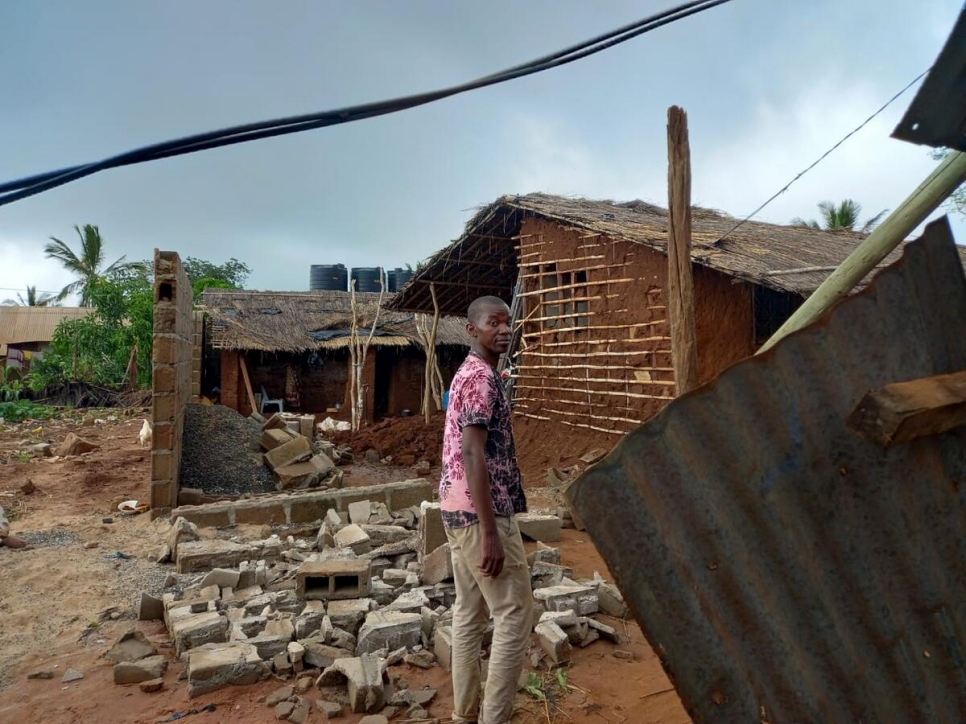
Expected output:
(32, 185)
(821, 158)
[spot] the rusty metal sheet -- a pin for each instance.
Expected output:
(782, 567)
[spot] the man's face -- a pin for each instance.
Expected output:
(492, 329)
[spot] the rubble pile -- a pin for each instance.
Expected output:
(296, 459)
(370, 591)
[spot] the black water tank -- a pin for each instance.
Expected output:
(391, 280)
(328, 277)
(367, 278)
(402, 278)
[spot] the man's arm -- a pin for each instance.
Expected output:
(478, 478)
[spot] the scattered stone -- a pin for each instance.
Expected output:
(390, 630)
(330, 709)
(544, 528)
(41, 675)
(554, 642)
(107, 521)
(423, 467)
(282, 666)
(308, 474)
(354, 537)
(360, 511)
(71, 675)
(28, 488)
(91, 545)
(611, 601)
(545, 575)
(301, 713)
(423, 697)
(593, 456)
(608, 633)
(396, 657)
(321, 655)
(131, 646)
(170, 581)
(296, 653)
(74, 445)
(410, 602)
(134, 672)
(416, 713)
(294, 451)
(181, 532)
(304, 684)
(432, 534)
(221, 577)
(283, 710)
(216, 666)
(582, 599)
(280, 695)
(349, 614)
(196, 630)
(544, 554)
(626, 655)
(374, 719)
(380, 534)
(438, 566)
(151, 686)
(423, 659)
(365, 679)
(443, 646)
(204, 555)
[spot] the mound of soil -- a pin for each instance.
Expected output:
(399, 437)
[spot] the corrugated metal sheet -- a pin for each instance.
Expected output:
(782, 567)
(19, 325)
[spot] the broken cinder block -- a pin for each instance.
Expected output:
(390, 630)
(333, 579)
(545, 528)
(294, 451)
(216, 666)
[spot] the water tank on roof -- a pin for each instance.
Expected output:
(328, 277)
(402, 278)
(367, 278)
(391, 280)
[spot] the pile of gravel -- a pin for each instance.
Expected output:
(49, 538)
(220, 452)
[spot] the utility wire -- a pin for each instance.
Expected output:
(29, 186)
(821, 158)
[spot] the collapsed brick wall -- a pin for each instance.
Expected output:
(174, 344)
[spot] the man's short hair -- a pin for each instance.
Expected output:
(481, 305)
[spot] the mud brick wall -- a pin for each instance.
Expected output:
(174, 344)
(197, 354)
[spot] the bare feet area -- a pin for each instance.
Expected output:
(74, 590)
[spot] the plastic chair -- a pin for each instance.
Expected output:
(266, 401)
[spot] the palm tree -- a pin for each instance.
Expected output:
(33, 300)
(844, 215)
(87, 266)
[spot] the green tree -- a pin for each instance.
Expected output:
(234, 273)
(844, 215)
(34, 300)
(97, 348)
(88, 266)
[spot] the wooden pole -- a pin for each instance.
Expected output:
(937, 187)
(684, 349)
(248, 382)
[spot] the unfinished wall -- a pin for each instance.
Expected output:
(174, 331)
(597, 339)
(197, 353)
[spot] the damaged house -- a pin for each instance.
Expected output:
(587, 282)
(292, 348)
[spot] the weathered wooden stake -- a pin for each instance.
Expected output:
(680, 287)
(946, 178)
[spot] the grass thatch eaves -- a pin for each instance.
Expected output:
(483, 260)
(282, 321)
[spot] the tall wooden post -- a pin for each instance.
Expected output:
(680, 286)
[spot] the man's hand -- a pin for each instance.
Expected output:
(492, 555)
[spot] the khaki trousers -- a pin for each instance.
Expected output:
(509, 599)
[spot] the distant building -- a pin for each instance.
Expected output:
(25, 332)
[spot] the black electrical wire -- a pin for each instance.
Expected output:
(32, 185)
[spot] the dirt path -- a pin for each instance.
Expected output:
(64, 602)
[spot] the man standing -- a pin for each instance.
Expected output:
(480, 491)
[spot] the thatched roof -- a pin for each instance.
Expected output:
(304, 321)
(483, 260)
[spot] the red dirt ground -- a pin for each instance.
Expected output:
(52, 595)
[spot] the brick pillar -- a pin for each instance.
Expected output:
(171, 378)
(197, 353)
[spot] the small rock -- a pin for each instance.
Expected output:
(374, 719)
(422, 659)
(149, 687)
(423, 466)
(71, 675)
(170, 581)
(89, 545)
(304, 684)
(28, 487)
(41, 675)
(330, 708)
(75, 445)
(107, 521)
(280, 695)
(131, 646)
(301, 713)
(150, 608)
(416, 712)
(626, 655)
(284, 710)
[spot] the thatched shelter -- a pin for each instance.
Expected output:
(295, 346)
(589, 278)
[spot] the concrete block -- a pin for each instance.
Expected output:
(395, 577)
(268, 646)
(382, 534)
(294, 451)
(221, 577)
(544, 554)
(181, 532)
(438, 566)
(307, 426)
(409, 602)
(354, 537)
(333, 579)
(321, 655)
(306, 474)
(380, 514)
(247, 627)
(443, 646)
(279, 695)
(382, 593)
(199, 629)
(150, 608)
(131, 646)
(544, 528)
(275, 422)
(390, 630)
(545, 575)
(360, 511)
(204, 555)
(296, 654)
(282, 666)
(282, 627)
(363, 676)
(582, 599)
(214, 667)
(608, 633)
(276, 437)
(564, 619)
(554, 642)
(611, 601)
(349, 614)
(432, 534)
(134, 672)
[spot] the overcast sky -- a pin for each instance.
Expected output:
(768, 87)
